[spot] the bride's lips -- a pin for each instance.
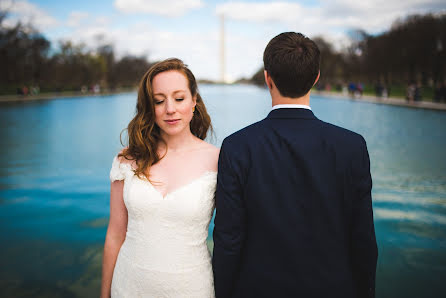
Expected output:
(172, 121)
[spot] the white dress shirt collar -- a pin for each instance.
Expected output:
(290, 106)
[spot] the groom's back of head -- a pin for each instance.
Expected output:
(292, 60)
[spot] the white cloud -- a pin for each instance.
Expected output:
(261, 12)
(171, 8)
(91, 35)
(102, 21)
(76, 17)
(80, 18)
(28, 13)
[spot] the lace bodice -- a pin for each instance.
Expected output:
(164, 234)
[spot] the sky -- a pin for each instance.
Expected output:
(190, 29)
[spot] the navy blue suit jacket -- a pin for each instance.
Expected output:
(294, 211)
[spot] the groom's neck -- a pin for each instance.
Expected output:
(278, 99)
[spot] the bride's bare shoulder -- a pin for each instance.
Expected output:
(209, 148)
(209, 153)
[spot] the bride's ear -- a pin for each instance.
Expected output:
(194, 100)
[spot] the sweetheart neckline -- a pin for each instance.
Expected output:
(205, 174)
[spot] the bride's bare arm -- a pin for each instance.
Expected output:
(116, 232)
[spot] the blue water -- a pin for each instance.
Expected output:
(54, 187)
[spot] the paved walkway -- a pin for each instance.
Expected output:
(388, 101)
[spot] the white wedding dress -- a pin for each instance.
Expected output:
(164, 253)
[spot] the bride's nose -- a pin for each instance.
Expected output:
(170, 106)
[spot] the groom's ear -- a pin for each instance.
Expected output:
(268, 80)
(317, 78)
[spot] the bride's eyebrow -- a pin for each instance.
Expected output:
(174, 92)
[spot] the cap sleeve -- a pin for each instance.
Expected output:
(119, 170)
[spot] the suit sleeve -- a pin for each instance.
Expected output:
(229, 230)
(363, 245)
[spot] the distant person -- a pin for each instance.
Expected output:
(417, 92)
(410, 92)
(379, 89)
(35, 90)
(351, 89)
(293, 204)
(438, 96)
(25, 90)
(328, 87)
(384, 93)
(386, 90)
(359, 89)
(96, 89)
(344, 90)
(162, 193)
(443, 92)
(338, 87)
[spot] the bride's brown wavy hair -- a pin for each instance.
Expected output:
(144, 134)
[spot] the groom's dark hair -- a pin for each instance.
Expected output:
(292, 60)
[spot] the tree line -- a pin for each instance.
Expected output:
(411, 51)
(31, 64)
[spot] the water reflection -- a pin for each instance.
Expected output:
(29, 269)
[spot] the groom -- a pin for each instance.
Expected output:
(294, 209)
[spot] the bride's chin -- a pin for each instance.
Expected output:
(173, 131)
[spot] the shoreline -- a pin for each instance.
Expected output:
(58, 95)
(394, 101)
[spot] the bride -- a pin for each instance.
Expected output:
(162, 193)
